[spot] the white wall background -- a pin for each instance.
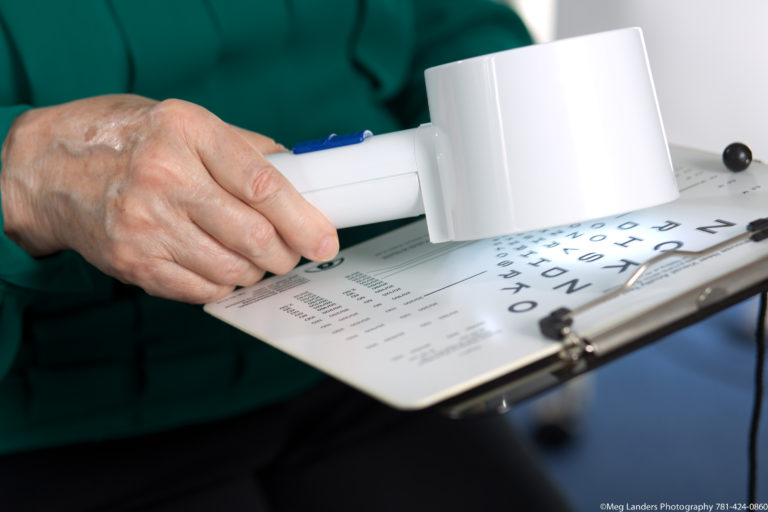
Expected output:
(540, 17)
(709, 60)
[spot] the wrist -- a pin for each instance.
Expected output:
(46, 150)
(21, 224)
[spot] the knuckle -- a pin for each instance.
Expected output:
(286, 264)
(174, 115)
(155, 171)
(171, 109)
(233, 271)
(259, 237)
(265, 184)
(148, 173)
(256, 276)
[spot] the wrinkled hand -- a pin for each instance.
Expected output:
(163, 195)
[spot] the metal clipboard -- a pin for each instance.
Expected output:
(580, 354)
(419, 325)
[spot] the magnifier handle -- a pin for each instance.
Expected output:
(371, 181)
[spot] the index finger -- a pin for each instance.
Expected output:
(243, 171)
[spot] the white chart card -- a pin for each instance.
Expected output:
(413, 323)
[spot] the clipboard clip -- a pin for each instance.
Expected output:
(558, 324)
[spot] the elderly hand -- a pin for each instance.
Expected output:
(163, 195)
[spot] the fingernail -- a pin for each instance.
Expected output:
(328, 249)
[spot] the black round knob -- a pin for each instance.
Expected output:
(737, 156)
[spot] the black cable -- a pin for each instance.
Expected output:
(759, 370)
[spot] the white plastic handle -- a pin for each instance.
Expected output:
(371, 181)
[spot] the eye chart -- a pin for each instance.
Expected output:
(413, 323)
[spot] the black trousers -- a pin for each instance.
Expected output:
(330, 449)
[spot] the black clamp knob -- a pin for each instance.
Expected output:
(737, 156)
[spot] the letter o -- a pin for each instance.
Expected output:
(523, 306)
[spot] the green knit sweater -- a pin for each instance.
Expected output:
(83, 357)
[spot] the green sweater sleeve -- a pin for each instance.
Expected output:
(10, 303)
(449, 31)
(21, 275)
(34, 72)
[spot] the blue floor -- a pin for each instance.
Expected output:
(668, 423)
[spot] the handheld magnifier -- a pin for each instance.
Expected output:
(519, 140)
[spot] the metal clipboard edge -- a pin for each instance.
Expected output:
(680, 311)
